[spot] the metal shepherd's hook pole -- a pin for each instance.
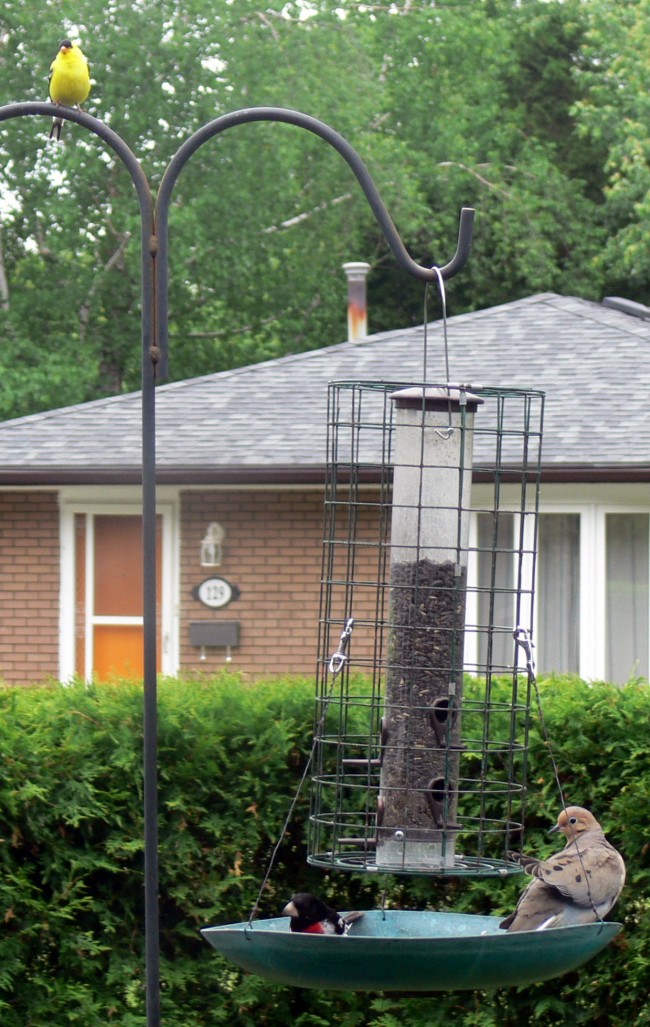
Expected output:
(150, 352)
(154, 333)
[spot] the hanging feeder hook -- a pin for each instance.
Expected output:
(346, 151)
(444, 433)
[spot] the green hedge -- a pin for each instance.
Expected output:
(231, 755)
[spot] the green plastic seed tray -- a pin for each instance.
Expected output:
(399, 950)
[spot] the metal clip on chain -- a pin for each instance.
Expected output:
(523, 639)
(339, 658)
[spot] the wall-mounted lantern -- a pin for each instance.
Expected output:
(211, 545)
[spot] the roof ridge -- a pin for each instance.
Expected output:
(576, 307)
(601, 314)
(245, 368)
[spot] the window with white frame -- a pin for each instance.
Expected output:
(500, 579)
(592, 591)
(626, 596)
(558, 592)
(495, 579)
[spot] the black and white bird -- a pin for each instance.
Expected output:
(579, 885)
(310, 915)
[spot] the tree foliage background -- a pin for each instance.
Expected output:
(533, 111)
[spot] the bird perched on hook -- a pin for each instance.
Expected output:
(310, 915)
(577, 886)
(69, 81)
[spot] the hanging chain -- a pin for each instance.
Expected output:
(336, 664)
(523, 639)
(443, 303)
(425, 338)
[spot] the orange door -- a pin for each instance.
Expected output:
(112, 643)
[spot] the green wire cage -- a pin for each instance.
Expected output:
(427, 588)
(423, 692)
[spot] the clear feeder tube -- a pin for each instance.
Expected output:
(420, 753)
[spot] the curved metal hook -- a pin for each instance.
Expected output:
(349, 154)
(143, 190)
(53, 110)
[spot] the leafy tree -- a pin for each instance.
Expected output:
(614, 76)
(249, 210)
(481, 94)
(488, 103)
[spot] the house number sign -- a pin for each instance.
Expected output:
(215, 593)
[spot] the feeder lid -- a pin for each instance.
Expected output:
(436, 397)
(400, 950)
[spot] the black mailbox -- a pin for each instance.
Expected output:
(214, 633)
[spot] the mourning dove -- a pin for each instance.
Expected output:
(577, 886)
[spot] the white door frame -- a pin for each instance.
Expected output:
(169, 605)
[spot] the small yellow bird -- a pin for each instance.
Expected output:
(69, 81)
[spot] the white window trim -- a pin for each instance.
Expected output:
(169, 598)
(471, 611)
(593, 578)
(592, 606)
(470, 652)
(592, 597)
(591, 601)
(601, 535)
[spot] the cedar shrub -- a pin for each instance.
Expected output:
(230, 759)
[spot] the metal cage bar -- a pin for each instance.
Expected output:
(471, 812)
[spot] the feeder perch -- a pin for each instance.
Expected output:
(397, 950)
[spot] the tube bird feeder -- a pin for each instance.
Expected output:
(429, 551)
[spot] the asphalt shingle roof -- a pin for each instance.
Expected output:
(592, 362)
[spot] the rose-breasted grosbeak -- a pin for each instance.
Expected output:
(310, 915)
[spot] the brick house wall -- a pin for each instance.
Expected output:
(29, 586)
(272, 553)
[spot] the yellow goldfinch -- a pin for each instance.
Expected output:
(69, 81)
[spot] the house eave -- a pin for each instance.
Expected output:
(31, 476)
(595, 473)
(279, 475)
